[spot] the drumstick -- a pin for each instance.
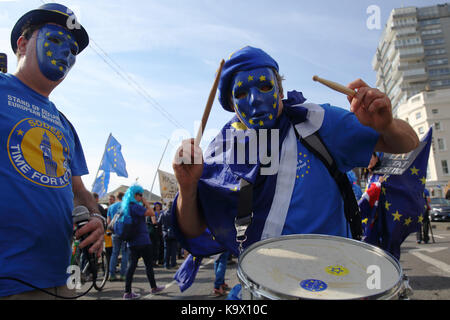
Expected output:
(209, 104)
(335, 86)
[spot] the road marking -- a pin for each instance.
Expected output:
(434, 262)
(204, 264)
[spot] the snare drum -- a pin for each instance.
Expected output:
(313, 266)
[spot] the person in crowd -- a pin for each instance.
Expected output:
(36, 235)
(135, 205)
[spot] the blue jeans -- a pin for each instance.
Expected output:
(220, 266)
(118, 245)
(170, 252)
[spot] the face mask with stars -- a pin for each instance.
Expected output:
(255, 97)
(56, 51)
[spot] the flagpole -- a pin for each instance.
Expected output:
(101, 161)
(160, 160)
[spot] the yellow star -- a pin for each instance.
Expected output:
(239, 83)
(46, 44)
(414, 171)
(53, 62)
(261, 123)
(387, 205)
(270, 116)
(275, 95)
(20, 132)
(262, 78)
(272, 82)
(243, 115)
(364, 221)
(383, 189)
(397, 215)
(250, 121)
(250, 78)
(69, 37)
(47, 34)
(61, 68)
(49, 53)
(420, 219)
(408, 221)
(60, 33)
(275, 105)
(424, 180)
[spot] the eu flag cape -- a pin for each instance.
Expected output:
(393, 208)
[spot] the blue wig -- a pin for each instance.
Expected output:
(129, 197)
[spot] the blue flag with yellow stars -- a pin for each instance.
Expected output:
(401, 204)
(185, 275)
(101, 184)
(112, 158)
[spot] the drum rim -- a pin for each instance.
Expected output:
(247, 282)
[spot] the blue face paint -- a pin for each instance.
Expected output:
(56, 51)
(255, 97)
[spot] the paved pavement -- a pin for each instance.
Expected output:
(200, 290)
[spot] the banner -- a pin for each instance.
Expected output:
(168, 186)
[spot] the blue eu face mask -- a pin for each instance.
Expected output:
(56, 51)
(255, 97)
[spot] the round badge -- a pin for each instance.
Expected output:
(40, 153)
(336, 270)
(313, 285)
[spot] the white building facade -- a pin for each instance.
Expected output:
(413, 53)
(423, 111)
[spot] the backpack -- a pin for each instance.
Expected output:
(123, 226)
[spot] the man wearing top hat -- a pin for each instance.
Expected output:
(41, 159)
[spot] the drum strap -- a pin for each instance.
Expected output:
(315, 145)
(245, 212)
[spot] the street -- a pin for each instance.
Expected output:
(426, 265)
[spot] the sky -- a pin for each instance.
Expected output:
(148, 71)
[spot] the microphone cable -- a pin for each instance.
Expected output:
(48, 292)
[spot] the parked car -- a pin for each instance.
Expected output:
(440, 209)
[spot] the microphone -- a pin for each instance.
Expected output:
(3, 62)
(80, 216)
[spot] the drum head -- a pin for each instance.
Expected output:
(318, 267)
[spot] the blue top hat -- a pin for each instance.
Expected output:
(55, 13)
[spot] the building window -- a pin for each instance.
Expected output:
(441, 144)
(440, 83)
(444, 166)
(421, 131)
(429, 22)
(433, 52)
(437, 62)
(431, 31)
(437, 126)
(439, 72)
(418, 115)
(432, 42)
(434, 111)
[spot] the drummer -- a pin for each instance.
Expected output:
(299, 196)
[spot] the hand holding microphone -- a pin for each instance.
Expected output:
(89, 231)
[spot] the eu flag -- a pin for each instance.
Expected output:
(401, 204)
(112, 158)
(185, 275)
(101, 184)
